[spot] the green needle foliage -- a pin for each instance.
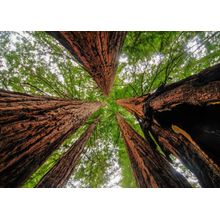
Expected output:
(35, 63)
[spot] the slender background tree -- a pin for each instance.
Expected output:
(35, 63)
(62, 170)
(183, 117)
(32, 127)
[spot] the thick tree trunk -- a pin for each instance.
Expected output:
(59, 175)
(189, 153)
(150, 168)
(98, 52)
(31, 128)
(184, 117)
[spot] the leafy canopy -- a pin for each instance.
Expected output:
(35, 63)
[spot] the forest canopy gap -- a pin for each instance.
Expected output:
(139, 63)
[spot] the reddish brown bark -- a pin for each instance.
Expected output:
(96, 51)
(184, 117)
(197, 90)
(134, 105)
(59, 175)
(150, 168)
(31, 128)
(207, 172)
(200, 89)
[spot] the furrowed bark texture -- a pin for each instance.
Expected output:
(150, 168)
(97, 51)
(31, 128)
(184, 118)
(134, 105)
(59, 175)
(190, 154)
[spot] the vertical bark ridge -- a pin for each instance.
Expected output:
(191, 155)
(62, 170)
(192, 106)
(31, 128)
(97, 51)
(134, 105)
(150, 168)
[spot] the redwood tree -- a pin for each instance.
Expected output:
(150, 168)
(62, 170)
(97, 52)
(31, 128)
(184, 118)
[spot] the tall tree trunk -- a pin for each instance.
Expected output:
(62, 170)
(150, 168)
(184, 118)
(189, 153)
(97, 51)
(31, 128)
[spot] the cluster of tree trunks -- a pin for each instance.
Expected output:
(31, 128)
(97, 52)
(184, 119)
(150, 168)
(59, 175)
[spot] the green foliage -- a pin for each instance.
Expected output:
(51, 161)
(35, 63)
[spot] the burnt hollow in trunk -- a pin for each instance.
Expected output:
(184, 118)
(150, 168)
(201, 122)
(182, 146)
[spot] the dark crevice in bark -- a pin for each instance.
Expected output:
(191, 155)
(201, 122)
(184, 118)
(150, 168)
